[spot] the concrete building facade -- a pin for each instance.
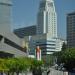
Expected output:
(9, 42)
(5, 16)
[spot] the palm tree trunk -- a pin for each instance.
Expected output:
(17, 73)
(8, 73)
(12, 73)
(1, 73)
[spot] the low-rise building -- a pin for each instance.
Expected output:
(25, 31)
(47, 44)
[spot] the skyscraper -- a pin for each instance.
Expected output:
(46, 37)
(47, 18)
(71, 30)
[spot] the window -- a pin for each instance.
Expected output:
(42, 5)
(50, 4)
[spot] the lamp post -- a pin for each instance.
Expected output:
(25, 46)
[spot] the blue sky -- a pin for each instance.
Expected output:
(24, 13)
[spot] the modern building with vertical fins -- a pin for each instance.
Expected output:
(71, 30)
(9, 42)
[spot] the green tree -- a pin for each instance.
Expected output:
(17, 65)
(58, 55)
(3, 67)
(64, 46)
(36, 63)
(68, 58)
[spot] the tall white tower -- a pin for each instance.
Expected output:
(5, 16)
(47, 18)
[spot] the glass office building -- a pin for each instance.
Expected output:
(71, 30)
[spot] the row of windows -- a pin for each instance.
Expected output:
(47, 44)
(71, 16)
(1, 37)
(9, 42)
(71, 32)
(45, 52)
(71, 26)
(48, 48)
(70, 21)
(5, 55)
(51, 41)
(5, 4)
(70, 36)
